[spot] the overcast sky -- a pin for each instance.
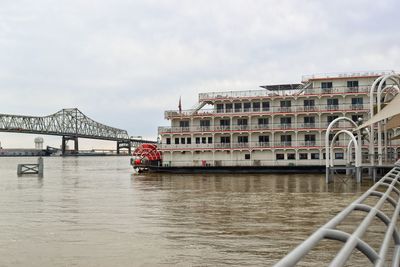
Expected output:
(123, 62)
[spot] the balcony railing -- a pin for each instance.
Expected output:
(221, 128)
(254, 145)
(241, 127)
(285, 126)
(307, 125)
(356, 106)
(307, 143)
(262, 144)
(376, 73)
(284, 109)
(307, 108)
(240, 145)
(260, 126)
(331, 107)
(222, 145)
(270, 110)
(202, 128)
(255, 127)
(267, 94)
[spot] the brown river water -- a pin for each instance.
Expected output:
(93, 211)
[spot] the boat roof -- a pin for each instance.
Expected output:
(279, 87)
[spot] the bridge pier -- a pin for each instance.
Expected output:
(124, 144)
(65, 139)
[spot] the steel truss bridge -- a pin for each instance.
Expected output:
(71, 124)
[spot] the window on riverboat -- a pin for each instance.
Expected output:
(352, 84)
(309, 102)
(228, 107)
(256, 106)
(203, 140)
(225, 122)
(184, 124)
(188, 140)
(220, 108)
(286, 140)
(225, 139)
(357, 103)
(243, 139)
(286, 120)
(246, 156)
(168, 140)
(247, 107)
(204, 123)
(314, 155)
(242, 124)
(309, 122)
(339, 155)
(291, 156)
(333, 103)
(209, 139)
(265, 106)
(242, 121)
(303, 155)
(309, 105)
(238, 107)
(197, 140)
(262, 139)
(326, 85)
(285, 106)
(331, 118)
(286, 103)
(263, 121)
(280, 156)
(177, 141)
(309, 139)
(183, 140)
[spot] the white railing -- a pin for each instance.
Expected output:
(267, 94)
(253, 127)
(376, 73)
(241, 111)
(252, 144)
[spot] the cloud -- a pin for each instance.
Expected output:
(125, 62)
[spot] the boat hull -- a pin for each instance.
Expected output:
(240, 169)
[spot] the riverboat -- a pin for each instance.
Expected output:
(278, 128)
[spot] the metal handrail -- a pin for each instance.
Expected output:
(351, 241)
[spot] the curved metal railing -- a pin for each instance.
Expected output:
(391, 182)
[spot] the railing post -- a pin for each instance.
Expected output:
(40, 166)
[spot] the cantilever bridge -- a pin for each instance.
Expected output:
(71, 124)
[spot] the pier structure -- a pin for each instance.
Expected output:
(386, 119)
(31, 168)
(70, 124)
(377, 89)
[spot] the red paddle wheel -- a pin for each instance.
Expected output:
(145, 154)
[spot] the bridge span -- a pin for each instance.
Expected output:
(71, 124)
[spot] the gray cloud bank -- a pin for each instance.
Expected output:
(124, 62)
